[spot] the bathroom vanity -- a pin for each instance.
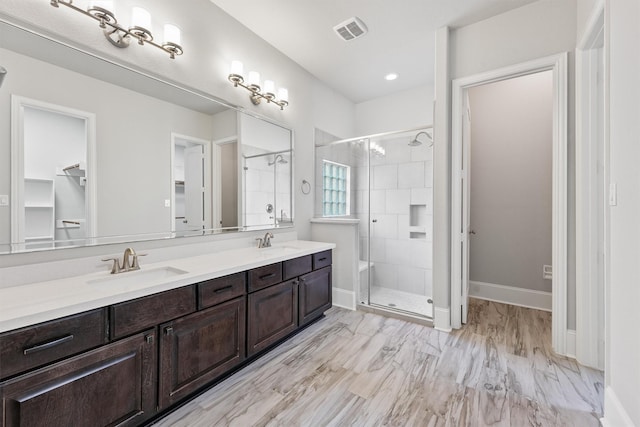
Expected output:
(127, 349)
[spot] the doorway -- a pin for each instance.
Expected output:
(190, 184)
(461, 229)
(510, 190)
(53, 174)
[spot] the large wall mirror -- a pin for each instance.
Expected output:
(93, 152)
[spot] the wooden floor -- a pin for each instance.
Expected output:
(362, 369)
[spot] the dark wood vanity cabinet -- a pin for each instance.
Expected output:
(196, 349)
(278, 310)
(315, 295)
(272, 315)
(112, 385)
(125, 363)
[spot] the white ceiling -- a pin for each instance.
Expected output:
(400, 38)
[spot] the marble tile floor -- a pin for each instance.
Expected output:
(361, 369)
(399, 300)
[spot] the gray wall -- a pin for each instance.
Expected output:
(511, 186)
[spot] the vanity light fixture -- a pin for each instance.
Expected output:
(253, 85)
(140, 29)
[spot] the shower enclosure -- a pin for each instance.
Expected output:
(386, 181)
(267, 199)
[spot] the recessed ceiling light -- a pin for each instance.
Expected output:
(391, 76)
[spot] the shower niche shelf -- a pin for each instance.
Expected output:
(417, 221)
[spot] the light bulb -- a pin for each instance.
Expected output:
(172, 34)
(141, 18)
(283, 94)
(236, 67)
(269, 86)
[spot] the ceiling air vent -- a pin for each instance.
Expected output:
(351, 29)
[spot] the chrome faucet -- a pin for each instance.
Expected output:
(126, 265)
(265, 242)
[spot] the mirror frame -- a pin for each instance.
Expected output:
(7, 248)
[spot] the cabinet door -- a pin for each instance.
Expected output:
(112, 385)
(273, 314)
(315, 294)
(196, 349)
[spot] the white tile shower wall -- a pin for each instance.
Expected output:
(259, 183)
(400, 178)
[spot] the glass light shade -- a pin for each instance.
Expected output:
(269, 86)
(104, 4)
(283, 94)
(254, 78)
(236, 68)
(172, 34)
(141, 18)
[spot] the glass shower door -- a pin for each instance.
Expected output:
(400, 226)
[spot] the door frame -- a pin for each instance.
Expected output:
(558, 64)
(18, 105)
(590, 214)
(206, 150)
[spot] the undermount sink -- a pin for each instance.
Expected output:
(138, 278)
(277, 250)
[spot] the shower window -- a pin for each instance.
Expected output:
(335, 189)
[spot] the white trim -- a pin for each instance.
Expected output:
(343, 298)
(512, 295)
(591, 182)
(614, 413)
(18, 104)
(442, 319)
(558, 64)
(571, 343)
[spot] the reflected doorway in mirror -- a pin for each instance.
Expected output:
(53, 174)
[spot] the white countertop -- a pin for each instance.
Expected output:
(34, 303)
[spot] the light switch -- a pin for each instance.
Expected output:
(167, 203)
(4, 200)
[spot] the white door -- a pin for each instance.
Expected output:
(194, 188)
(466, 204)
(460, 213)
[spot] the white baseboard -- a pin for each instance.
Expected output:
(571, 343)
(614, 413)
(442, 319)
(343, 298)
(511, 295)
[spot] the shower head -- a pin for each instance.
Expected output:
(278, 159)
(3, 73)
(416, 142)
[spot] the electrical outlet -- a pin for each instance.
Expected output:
(4, 200)
(547, 272)
(167, 203)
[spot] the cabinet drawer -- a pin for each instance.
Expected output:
(222, 289)
(34, 346)
(138, 314)
(296, 267)
(267, 275)
(112, 385)
(321, 259)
